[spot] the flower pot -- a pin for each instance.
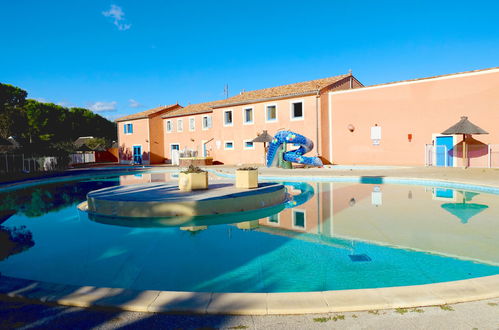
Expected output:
(246, 179)
(192, 181)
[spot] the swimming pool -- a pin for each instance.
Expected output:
(331, 236)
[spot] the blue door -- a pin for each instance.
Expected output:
(137, 154)
(444, 151)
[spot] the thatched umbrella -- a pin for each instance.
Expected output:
(265, 138)
(464, 127)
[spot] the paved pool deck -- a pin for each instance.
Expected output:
(400, 303)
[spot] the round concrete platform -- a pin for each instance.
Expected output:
(160, 200)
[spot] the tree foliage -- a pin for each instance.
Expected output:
(37, 123)
(12, 99)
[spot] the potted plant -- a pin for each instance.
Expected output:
(247, 177)
(193, 178)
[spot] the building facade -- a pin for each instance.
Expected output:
(391, 124)
(139, 136)
(410, 116)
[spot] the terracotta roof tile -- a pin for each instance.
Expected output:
(147, 113)
(281, 91)
(193, 109)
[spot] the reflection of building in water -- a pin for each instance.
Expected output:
(420, 222)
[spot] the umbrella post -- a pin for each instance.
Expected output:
(464, 152)
(264, 153)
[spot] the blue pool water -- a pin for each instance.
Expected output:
(332, 236)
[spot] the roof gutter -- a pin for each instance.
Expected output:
(127, 119)
(264, 99)
(186, 114)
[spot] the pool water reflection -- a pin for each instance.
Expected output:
(330, 236)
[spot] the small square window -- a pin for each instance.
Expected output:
(249, 144)
(274, 218)
(229, 145)
(271, 113)
(299, 219)
(297, 110)
(180, 125)
(248, 115)
(228, 117)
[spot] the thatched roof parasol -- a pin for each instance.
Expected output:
(264, 137)
(464, 126)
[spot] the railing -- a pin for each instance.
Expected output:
(494, 155)
(480, 156)
(16, 163)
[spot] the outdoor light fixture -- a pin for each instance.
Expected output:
(409, 137)
(351, 128)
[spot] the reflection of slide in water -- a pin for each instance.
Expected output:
(295, 156)
(306, 192)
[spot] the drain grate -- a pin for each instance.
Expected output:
(359, 257)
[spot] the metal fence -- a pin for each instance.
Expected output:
(481, 156)
(17, 163)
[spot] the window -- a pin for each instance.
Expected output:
(228, 118)
(273, 219)
(206, 122)
(248, 116)
(228, 145)
(192, 124)
(169, 126)
(248, 144)
(271, 113)
(128, 128)
(297, 110)
(180, 125)
(299, 219)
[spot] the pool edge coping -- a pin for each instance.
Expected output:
(285, 303)
(282, 303)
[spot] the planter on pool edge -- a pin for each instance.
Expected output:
(247, 179)
(192, 181)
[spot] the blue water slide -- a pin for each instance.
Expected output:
(294, 156)
(306, 192)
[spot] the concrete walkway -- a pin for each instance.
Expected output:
(481, 315)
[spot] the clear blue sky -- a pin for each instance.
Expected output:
(102, 54)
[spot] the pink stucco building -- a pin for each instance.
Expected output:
(140, 137)
(410, 115)
(391, 124)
